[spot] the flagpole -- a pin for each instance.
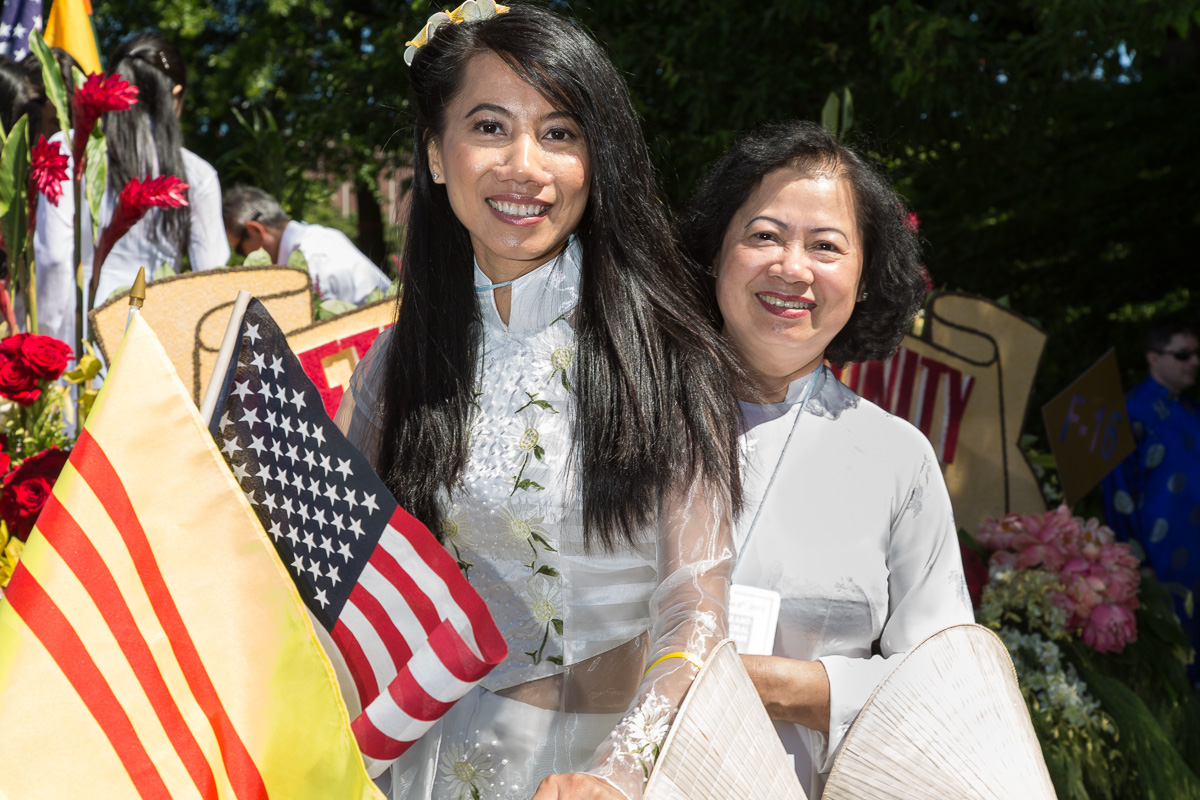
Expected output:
(228, 345)
(137, 297)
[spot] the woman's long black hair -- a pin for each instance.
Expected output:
(655, 403)
(145, 141)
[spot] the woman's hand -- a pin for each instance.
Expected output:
(576, 786)
(792, 691)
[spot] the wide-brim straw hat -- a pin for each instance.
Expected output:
(949, 721)
(722, 745)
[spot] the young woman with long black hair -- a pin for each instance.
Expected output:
(551, 402)
(144, 141)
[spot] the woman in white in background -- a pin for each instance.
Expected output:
(847, 517)
(144, 141)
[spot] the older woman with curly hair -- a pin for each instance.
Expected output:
(846, 516)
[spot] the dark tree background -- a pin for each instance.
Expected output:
(1049, 147)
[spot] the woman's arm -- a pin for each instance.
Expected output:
(926, 592)
(792, 690)
(688, 611)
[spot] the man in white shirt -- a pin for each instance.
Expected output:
(254, 219)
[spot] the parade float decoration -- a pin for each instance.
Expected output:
(1099, 655)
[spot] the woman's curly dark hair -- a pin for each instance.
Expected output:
(892, 276)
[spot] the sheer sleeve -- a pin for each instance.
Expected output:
(688, 612)
(359, 415)
(926, 592)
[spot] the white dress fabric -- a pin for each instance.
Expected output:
(581, 626)
(338, 269)
(54, 244)
(857, 535)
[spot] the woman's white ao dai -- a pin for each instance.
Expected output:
(858, 538)
(579, 624)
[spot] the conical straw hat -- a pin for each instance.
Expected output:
(722, 744)
(949, 721)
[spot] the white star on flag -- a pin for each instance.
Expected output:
(252, 333)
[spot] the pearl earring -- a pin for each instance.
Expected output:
(435, 176)
(862, 297)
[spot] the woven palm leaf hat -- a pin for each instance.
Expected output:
(722, 745)
(949, 721)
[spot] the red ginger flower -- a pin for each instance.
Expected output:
(99, 94)
(48, 169)
(138, 197)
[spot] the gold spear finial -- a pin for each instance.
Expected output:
(137, 295)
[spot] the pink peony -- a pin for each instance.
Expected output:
(1109, 628)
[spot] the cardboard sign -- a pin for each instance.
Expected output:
(190, 312)
(964, 381)
(1088, 428)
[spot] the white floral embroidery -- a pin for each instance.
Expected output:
(543, 598)
(467, 771)
(642, 733)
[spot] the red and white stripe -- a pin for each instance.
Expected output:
(416, 636)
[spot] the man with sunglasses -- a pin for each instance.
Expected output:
(1153, 496)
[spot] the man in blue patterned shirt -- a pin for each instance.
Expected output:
(1153, 496)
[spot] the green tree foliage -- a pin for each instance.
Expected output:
(1047, 146)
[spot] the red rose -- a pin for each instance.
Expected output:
(27, 488)
(47, 357)
(18, 382)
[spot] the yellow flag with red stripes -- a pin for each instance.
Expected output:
(69, 26)
(151, 644)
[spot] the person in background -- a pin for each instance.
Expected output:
(144, 141)
(255, 219)
(45, 122)
(847, 517)
(1153, 496)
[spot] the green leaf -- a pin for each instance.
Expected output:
(333, 308)
(297, 260)
(96, 173)
(14, 182)
(258, 258)
(830, 113)
(164, 271)
(555, 660)
(56, 90)
(558, 626)
(546, 569)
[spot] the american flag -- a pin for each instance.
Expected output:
(18, 18)
(414, 634)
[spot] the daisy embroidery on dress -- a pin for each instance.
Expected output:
(528, 444)
(560, 362)
(524, 526)
(457, 530)
(642, 733)
(544, 600)
(467, 771)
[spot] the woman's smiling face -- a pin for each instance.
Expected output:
(788, 273)
(516, 169)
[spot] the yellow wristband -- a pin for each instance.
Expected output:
(695, 662)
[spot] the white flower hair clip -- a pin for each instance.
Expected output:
(470, 11)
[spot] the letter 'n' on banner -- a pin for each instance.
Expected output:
(964, 381)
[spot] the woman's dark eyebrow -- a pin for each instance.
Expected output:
(768, 219)
(502, 110)
(488, 107)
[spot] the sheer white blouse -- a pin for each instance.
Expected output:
(581, 625)
(857, 535)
